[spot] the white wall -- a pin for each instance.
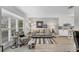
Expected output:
(0, 25)
(76, 16)
(66, 19)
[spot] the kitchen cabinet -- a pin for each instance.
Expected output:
(63, 32)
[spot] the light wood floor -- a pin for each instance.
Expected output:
(61, 44)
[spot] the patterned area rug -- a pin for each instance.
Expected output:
(42, 40)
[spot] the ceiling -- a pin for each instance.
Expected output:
(46, 11)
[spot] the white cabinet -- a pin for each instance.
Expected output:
(63, 32)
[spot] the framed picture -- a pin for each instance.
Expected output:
(39, 24)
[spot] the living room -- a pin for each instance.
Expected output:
(38, 28)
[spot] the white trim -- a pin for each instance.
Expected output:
(17, 29)
(9, 27)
